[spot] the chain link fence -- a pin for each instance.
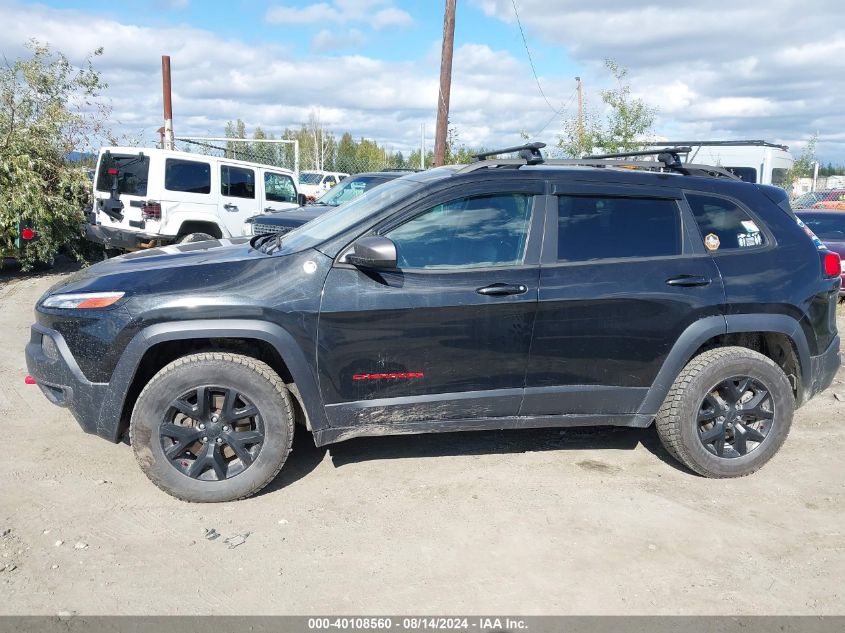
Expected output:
(359, 157)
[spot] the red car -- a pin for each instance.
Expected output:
(829, 226)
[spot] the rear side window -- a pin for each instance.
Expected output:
(237, 182)
(779, 176)
(466, 233)
(133, 171)
(724, 224)
(747, 174)
(189, 176)
(595, 227)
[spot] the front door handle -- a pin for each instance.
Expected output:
(269, 210)
(230, 207)
(500, 289)
(688, 281)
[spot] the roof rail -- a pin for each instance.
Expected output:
(669, 156)
(530, 152)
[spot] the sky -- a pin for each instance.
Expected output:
(768, 70)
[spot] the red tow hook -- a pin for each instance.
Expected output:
(29, 380)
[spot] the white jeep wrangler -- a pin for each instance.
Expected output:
(149, 197)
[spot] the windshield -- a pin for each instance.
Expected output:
(341, 218)
(829, 228)
(349, 189)
(309, 178)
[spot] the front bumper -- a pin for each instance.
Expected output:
(63, 383)
(112, 237)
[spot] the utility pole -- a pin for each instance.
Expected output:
(445, 84)
(168, 106)
(580, 123)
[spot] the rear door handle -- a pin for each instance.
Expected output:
(688, 281)
(230, 207)
(269, 210)
(500, 289)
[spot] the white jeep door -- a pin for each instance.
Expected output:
(278, 192)
(238, 196)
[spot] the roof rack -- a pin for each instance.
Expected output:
(668, 160)
(670, 157)
(745, 143)
(530, 152)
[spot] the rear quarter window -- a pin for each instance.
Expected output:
(188, 176)
(724, 224)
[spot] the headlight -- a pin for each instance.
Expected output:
(247, 230)
(82, 300)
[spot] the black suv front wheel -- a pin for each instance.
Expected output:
(212, 427)
(727, 413)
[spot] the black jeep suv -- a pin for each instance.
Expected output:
(508, 293)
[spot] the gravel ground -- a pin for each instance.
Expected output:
(594, 521)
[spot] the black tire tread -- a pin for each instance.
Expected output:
(669, 419)
(253, 364)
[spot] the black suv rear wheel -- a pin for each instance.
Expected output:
(727, 413)
(212, 427)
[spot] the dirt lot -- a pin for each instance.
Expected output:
(530, 522)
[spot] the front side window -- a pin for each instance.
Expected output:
(132, 173)
(466, 233)
(598, 227)
(237, 182)
(330, 181)
(724, 225)
(279, 188)
(189, 176)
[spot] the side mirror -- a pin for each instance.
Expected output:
(373, 251)
(301, 200)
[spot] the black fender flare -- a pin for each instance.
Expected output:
(704, 329)
(286, 346)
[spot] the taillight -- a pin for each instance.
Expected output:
(831, 264)
(151, 211)
(112, 171)
(28, 234)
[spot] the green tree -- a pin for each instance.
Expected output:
(623, 126)
(49, 108)
(803, 166)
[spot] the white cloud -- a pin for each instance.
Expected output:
(725, 69)
(378, 13)
(391, 16)
(310, 14)
(326, 40)
(217, 79)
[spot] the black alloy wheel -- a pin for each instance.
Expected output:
(735, 417)
(211, 433)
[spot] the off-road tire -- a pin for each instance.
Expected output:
(676, 420)
(249, 376)
(190, 238)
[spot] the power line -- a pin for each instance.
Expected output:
(531, 61)
(557, 114)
